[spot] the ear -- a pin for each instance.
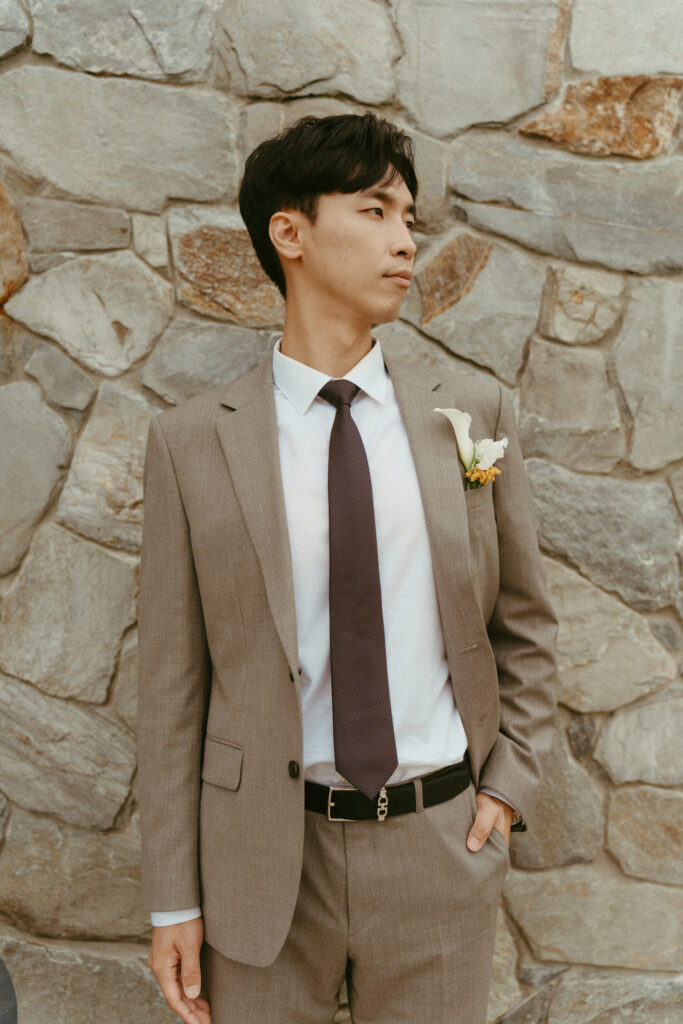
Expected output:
(285, 233)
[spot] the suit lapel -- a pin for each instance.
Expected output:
(247, 428)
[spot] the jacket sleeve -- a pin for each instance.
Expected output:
(174, 683)
(523, 635)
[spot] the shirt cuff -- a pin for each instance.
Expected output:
(516, 817)
(164, 917)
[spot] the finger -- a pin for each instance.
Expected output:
(481, 827)
(169, 983)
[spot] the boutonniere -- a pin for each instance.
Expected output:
(477, 456)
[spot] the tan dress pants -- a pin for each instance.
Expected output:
(401, 908)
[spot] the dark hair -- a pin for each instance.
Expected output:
(315, 156)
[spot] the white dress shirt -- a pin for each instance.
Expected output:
(427, 725)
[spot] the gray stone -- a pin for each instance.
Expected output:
(581, 733)
(607, 653)
(63, 382)
(349, 49)
(36, 445)
(13, 256)
(567, 795)
(653, 386)
(406, 342)
(102, 497)
(580, 914)
(98, 889)
(622, 37)
(62, 619)
(531, 1010)
(149, 239)
(645, 832)
(466, 63)
(580, 304)
(192, 356)
(125, 698)
(53, 225)
(615, 213)
(588, 996)
(163, 39)
(431, 166)
(71, 982)
(623, 534)
(104, 310)
(676, 480)
(217, 271)
(586, 434)
(668, 633)
(260, 121)
(644, 743)
(504, 991)
(4, 815)
(486, 318)
(14, 26)
(152, 143)
(57, 757)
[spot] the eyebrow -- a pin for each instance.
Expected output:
(380, 194)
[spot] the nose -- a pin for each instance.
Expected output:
(405, 244)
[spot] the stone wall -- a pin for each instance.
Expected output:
(551, 256)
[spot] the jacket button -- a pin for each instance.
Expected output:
(293, 769)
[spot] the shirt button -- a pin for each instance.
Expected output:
(293, 769)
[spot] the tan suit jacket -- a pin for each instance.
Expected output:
(219, 721)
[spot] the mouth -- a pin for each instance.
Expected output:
(402, 279)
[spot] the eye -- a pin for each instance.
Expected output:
(410, 224)
(376, 209)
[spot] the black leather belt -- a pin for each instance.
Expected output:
(347, 804)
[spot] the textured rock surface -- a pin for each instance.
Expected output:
(569, 821)
(588, 996)
(125, 699)
(68, 982)
(483, 62)
(192, 356)
(13, 258)
(75, 883)
(643, 743)
(622, 533)
(36, 445)
(53, 225)
(14, 26)
(624, 37)
(578, 914)
(102, 497)
(645, 832)
(62, 619)
(63, 382)
(149, 239)
(632, 116)
(153, 143)
(217, 270)
(104, 310)
(349, 49)
(615, 213)
(653, 387)
(59, 758)
(568, 412)
(480, 300)
(580, 304)
(149, 39)
(607, 653)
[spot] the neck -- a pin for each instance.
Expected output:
(323, 340)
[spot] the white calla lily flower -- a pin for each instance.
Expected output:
(461, 425)
(487, 451)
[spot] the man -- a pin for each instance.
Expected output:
(347, 666)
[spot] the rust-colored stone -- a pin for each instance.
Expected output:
(449, 276)
(13, 257)
(220, 275)
(632, 115)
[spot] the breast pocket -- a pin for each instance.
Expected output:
(222, 763)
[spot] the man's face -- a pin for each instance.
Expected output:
(357, 246)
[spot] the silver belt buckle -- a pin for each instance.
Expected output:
(330, 802)
(382, 804)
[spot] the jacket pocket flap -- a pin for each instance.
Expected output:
(222, 764)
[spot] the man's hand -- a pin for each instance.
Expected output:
(174, 959)
(491, 813)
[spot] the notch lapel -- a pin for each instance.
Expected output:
(248, 434)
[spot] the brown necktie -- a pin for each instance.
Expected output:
(364, 743)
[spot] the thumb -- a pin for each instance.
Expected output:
(190, 973)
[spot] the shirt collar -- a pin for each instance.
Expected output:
(301, 383)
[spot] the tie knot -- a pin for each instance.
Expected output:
(339, 392)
